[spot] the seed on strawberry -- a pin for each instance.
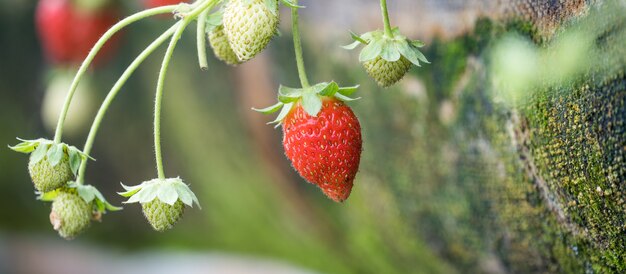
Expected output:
(387, 73)
(46, 177)
(221, 47)
(326, 149)
(70, 214)
(163, 216)
(250, 25)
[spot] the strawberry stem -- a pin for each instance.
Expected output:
(201, 40)
(297, 43)
(187, 19)
(92, 54)
(383, 7)
(114, 91)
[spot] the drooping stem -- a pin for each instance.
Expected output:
(187, 18)
(113, 93)
(201, 40)
(383, 7)
(94, 51)
(297, 43)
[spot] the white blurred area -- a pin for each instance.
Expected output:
(33, 255)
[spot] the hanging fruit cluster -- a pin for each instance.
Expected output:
(321, 134)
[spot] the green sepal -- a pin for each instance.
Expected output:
(372, 50)
(92, 196)
(55, 154)
(40, 148)
(270, 109)
(283, 113)
(214, 20)
(292, 4)
(88, 193)
(310, 98)
(26, 146)
(39, 153)
(166, 190)
(377, 44)
(311, 103)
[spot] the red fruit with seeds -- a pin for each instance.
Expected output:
(68, 33)
(326, 149)
(159, 3)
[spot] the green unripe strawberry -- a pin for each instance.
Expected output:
(46, 177)
(163, 216)
(250, 25)
(221, 47)
(387, 73)
(70, 214)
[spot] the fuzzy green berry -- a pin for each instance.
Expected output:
(70, 214)
(46, 177)
(250, 25)
(221, 47)
(163, 216)
(387, 73)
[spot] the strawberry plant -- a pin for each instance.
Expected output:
(321, 134)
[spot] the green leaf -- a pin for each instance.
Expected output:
(371, 51)
(347, 91)
(39, 154)
(345, 98)
(389, 51)
(270, 109)
(55, 154)
(75, 160)
(283, 113)
(311, 103)
(329, 90)
(292, 4)
(408, 52)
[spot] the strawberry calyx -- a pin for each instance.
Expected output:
(272, 5)
(168, 191)
(389, 48)
(90, 194)
(310, 98)
(55, 152)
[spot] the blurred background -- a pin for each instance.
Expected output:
(454, 176)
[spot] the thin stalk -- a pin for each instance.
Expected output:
(383, 7)
(94, 51)
(187, 19)
(113, 93)
(201, 40)
(297, 43)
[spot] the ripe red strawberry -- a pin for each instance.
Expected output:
(159, 3)
(326, 149)
(67, 33)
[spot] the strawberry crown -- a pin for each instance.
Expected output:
(309, 97)
(167, 190)
(88, 193)
(390, 48)
(272, 5)
(55, 152)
